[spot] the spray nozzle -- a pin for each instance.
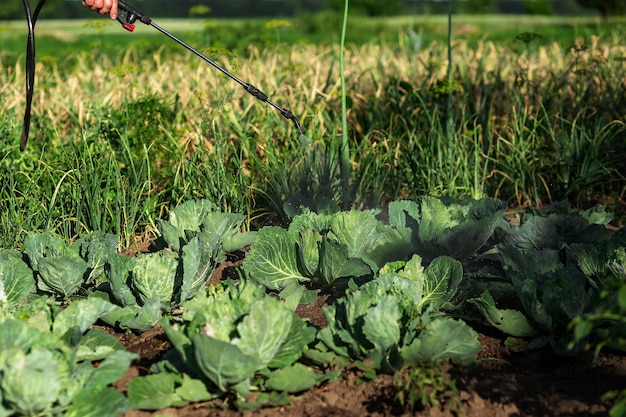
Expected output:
(127, 17)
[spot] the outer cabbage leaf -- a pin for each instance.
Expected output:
(96, 345)
(337, 267)
(368, 239)
(96, 248)
(98, 402)
(224, 229)
(134, 317)
(272, 260)
(436, 228)
(62, 275)
(117, 270)
(297, 378)
(441, 280)
(16, 280)
(301, 334)
(381, 323)
(444, 339)
(509, 321)
(199, 260)
(154, 392)
(535, 233)
(43, 245)
(559, 226)
(309, 244)
(162, 390)
(225, 364)
(17, 334)
(81, 314)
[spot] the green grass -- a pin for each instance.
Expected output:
(127, 125)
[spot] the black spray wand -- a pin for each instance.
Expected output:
(31, 19)
(127, 16)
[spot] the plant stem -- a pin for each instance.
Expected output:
(449, 118)
(345, 146)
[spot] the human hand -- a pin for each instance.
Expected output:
(102, 6)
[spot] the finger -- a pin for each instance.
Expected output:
(97, 5)
(114, 10)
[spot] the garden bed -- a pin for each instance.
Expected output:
(503, 383)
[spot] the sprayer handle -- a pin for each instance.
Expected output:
(127, 16)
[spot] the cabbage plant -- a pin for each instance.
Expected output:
(324, 251)
(46, 359)
(396, 319)
(197, 237)
(63, 269)
(231, 341)
(435, 227)
(546, 273)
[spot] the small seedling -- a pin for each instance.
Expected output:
(426, 386)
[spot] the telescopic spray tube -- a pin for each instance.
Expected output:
(128, 15)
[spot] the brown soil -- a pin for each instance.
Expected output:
(503, 383)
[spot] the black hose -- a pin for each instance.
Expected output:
(31, 19)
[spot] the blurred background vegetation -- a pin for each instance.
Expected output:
(65, 9)
(529, 109)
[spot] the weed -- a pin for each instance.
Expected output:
(425, 386)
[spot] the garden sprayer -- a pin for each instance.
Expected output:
(127, 16)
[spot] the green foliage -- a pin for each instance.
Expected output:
(424, 386)
(605, 7)
(324, 251)
(199, 10)
(16, 281)
(477, 6)
(232, 341)
(369, 7)
(553, 270)
(388, 321)
(136, 126)
(45, 365)
(538, 7)
(437, 228)
(196, 237)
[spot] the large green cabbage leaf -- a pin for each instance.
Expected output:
(273, 260)
(436, 228)
(444, 339)
(16, 280)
